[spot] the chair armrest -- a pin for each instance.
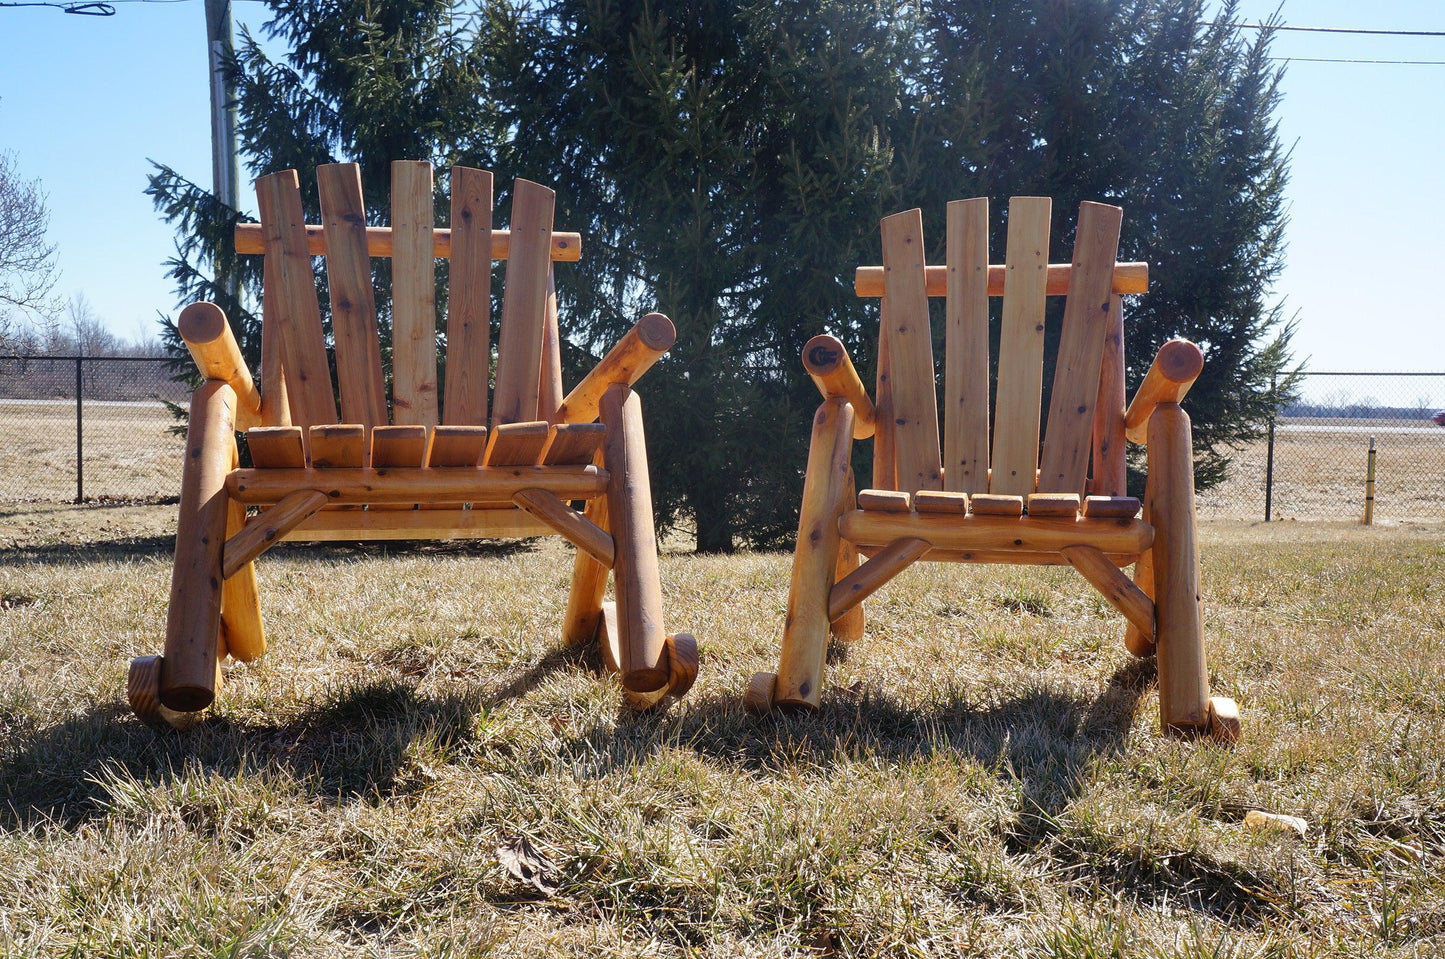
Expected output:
(1175, 368)
(208, 336)
(633, 355)
(826, 360)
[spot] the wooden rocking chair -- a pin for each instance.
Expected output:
(948, 505)
(435, 470)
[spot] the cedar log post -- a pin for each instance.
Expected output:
(193, 620)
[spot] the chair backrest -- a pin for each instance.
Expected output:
(1086, 410)
(295, 373)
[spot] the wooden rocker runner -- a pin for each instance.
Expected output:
(439, 467)
(1004, 501)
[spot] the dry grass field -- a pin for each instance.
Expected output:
(984, 778)
(129, 451)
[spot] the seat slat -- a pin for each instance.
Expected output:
(575, 444)
(932, 501)
(965, 379)
(910, 346)
(413, 311)
(402, 445)
(276, 447)
(1021, 348)
(519, 343)
(1111, 507)
(308, 374)
(996, 504)
(517, 444)
(886, 500)
(469, 299)
(353, 306)
(1053, 504)
(338, 446)
(457, 445)
(1065, 464)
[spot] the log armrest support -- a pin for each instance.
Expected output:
(625, 363)
(1176, 366)
(828, 365)
(208, 336)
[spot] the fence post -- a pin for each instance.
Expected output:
(1269, 455)
(79, 443)
(1370, 485)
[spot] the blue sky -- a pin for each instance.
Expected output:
(85, 101)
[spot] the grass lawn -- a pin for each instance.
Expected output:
(985, 776)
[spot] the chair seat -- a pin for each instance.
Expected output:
(1038, 505)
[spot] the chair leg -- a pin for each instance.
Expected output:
(642, 643)
(848, 628)
(589, 584)
(187, 673)
(815, 558)
(1184, 702)
(241, 630)
(1134, 639)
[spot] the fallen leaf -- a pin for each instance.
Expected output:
(1268, 821)
(521, 859)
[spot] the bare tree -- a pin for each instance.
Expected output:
(27, 261)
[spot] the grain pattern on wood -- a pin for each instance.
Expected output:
(1175, 368)
(399, 446)
(1111, 469)
(338, 446)
(1001, 557)
(872, 575)
(1021, 348)
(566, 247)
(193, 618)
(353, 306)
(1128, 278)
(276, 447)
(1053, 504)
(633, 355)
(295, 310)
(457, 445)
(275, 406)
(1179, 627)
(549, 390)
(885, 464)
(589, 584)
(1028, 533)
(267, 529)
(996, 504)
(343, 525)
(242, 635)
(574, 444)
(580, 531)
(832, 372)
(848, 628)
(1064, 467)
(413, 293)
(644, 666)
(935, 501)
(402, 485)
(910, 354)
(890, 501)
(825, 484)
(517, 444)
(524, 304)
(1111, 507)
(469, 299)
(965, 375)
(208, 337)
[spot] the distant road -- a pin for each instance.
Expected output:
(70, 403)
(1376, 430)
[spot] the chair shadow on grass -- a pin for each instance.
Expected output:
(126, 548)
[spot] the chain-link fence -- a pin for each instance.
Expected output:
(88, 429)
(1313, 463)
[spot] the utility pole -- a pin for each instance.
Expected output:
(225, 165)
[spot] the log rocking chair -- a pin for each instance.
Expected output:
(436, 467)
(994, 496)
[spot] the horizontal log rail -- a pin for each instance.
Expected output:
(1001, 533)
(351, 525)
(1175, 368)
(566, 247)
(1128, 278)
(417, 485)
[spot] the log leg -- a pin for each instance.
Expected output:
(1183, 674)
(1135, 639)
(193, 620)
(589, 584)
(641, 640)
(848, 628)
(240, 602)
(805, 631)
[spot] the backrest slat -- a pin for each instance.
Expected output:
(353, 306)
(1111, 471)
(295, 308)
(469, 299)
(965, 379)
(910, 346)
(1065, 464)
(275, 405)
(413, 313)
(1021, 348)
(519, 343)
(549, 392)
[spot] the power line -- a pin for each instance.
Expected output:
(1413, 63)
(82, 9)
(1351, 30)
